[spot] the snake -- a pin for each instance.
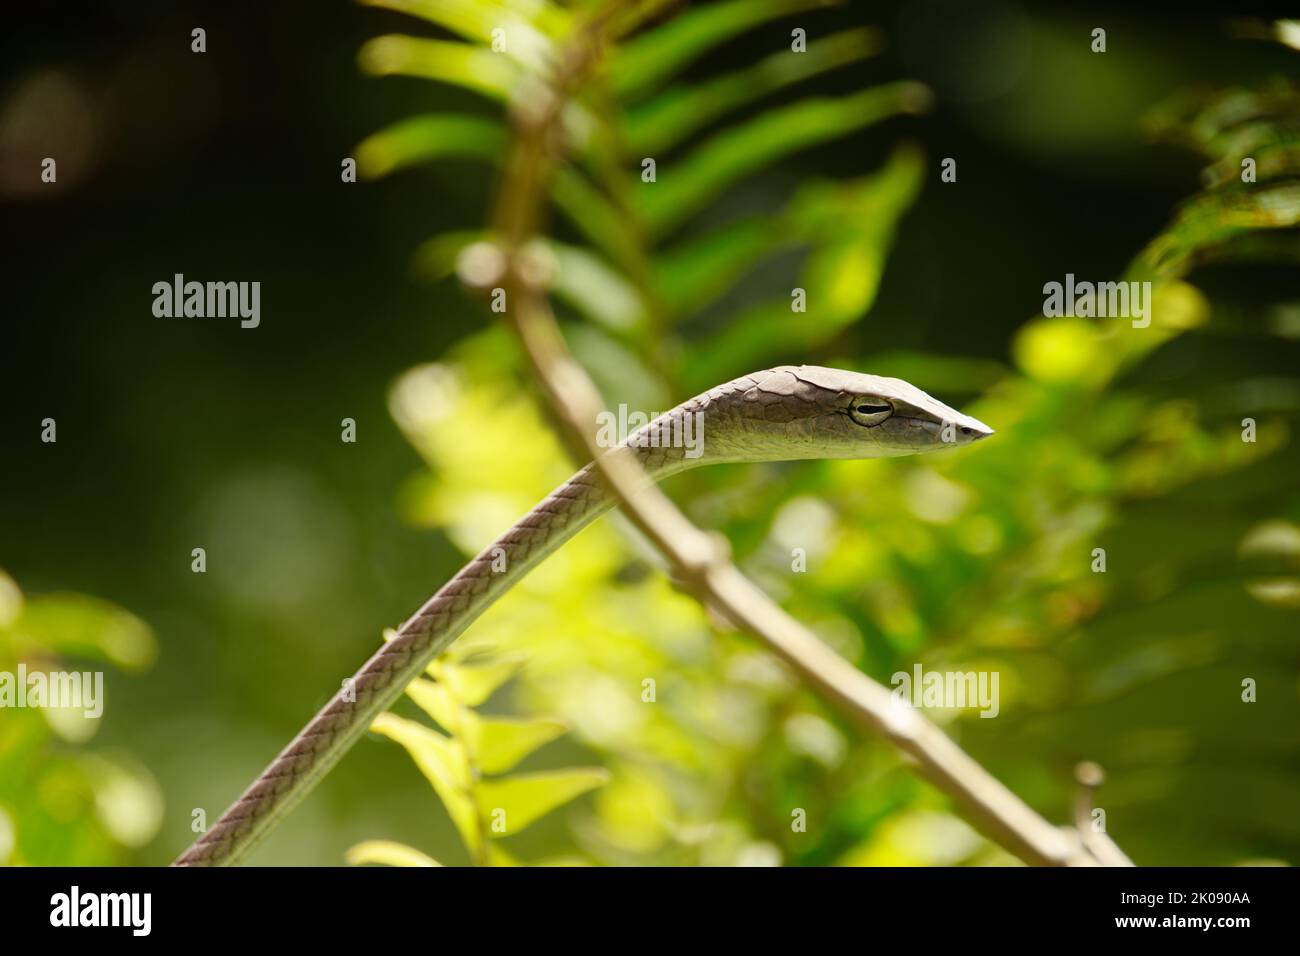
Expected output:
(787, 413)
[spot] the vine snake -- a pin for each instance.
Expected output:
(780, 414)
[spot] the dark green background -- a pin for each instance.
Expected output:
(225, 166)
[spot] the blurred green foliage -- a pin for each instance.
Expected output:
(981, 560)
(61, 802)
(483, 808)
(773, 171)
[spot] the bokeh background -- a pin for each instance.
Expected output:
(177, 434)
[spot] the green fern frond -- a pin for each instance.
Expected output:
(627, 276)
(466, 763)
(1252, 194)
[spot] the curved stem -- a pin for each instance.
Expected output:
(696, 555)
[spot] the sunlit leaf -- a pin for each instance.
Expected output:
(387, 853)
(686, 185)
(561, 861)
(849, 228)
(653, 57)
(128, 801)
(11, 601)
(473, 67)
(7, 840)
(597, 290)
(869, 206)
(499, 856)
(595, 214)
(521, 800)
(636, 812)
(1288, 33)
(78, 625)
(527, 26)
(436, 258)
(472, 684)
(434, 700)
(619, 366)
(695, 272)
(442, 761)
(425, 138)
(838, 220)
(501, 742)
(1061, 351)
(676, 113)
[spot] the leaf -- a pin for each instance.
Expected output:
(1287, 32)
(387, 853)
(527, 798)
(1276, 159)
(585, 281)
(528, 25)
(685, 187)
(497, 856)
(460, 64)
(128, 801)
(561, 861)
(501, 742)
(620, 366)
(424, 138)
(471, 67)
(434, 700)
(869, 207)
(850, 229)
(767, 329)
(472, 684)
(596, 216)
(692, 274)
(11, 601)
(651, 58)
(1213, 219)
(78, 625)
(442, 762)
(437, 757)
(436, 258)
(680, 111)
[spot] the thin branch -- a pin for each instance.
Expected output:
(1090, 776)
(698, 557)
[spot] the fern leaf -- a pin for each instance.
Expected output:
(676, 113)
(653, 57)
(686, 186)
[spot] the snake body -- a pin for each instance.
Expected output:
(778, 414)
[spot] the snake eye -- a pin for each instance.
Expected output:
(870, 411)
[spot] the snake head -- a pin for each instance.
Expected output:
(808, 411)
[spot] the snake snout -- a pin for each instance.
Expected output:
(971, 429)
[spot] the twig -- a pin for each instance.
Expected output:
(1090, 776)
